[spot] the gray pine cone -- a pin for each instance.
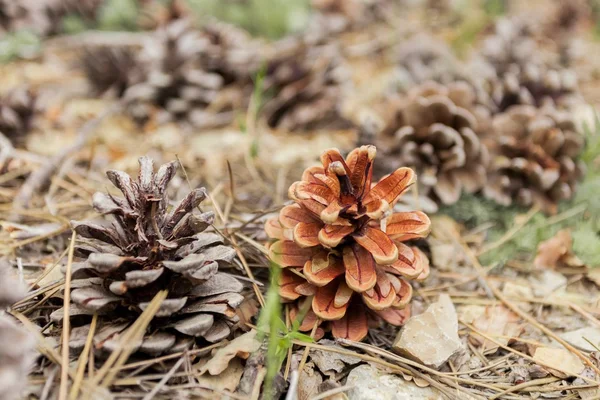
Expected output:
(147, 248)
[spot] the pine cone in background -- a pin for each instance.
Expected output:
(341, 243)
(110, 69)
(423, 58)
(512, 42)
(147, 249)
(308, 84)
(538, 86)
(520, 71)
(17, 109)
(201, 76)
(45, 17)
(535, 161)
(567, 17)
(437, 131)
(332, 17)
(16, 344)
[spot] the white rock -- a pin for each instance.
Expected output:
(577, 338)
(370, 384)
(431, 338)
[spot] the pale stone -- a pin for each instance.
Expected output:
(578, 338)
(568, 363)
(548, 282)
(369, 384)
(431, 338)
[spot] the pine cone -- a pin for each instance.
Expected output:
(44, 17)
(341, 243)
(332, 17)
(436, 130)
(512, 43)
(535, 159)
(538, 86)
(17, 109)
(423, 58)
(16, 343)
(147, 249)
(110, 68)
(186, 72)
(307, 83)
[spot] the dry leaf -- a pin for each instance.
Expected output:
(496, 320)
(556, 252)
(550, 252)
(227, 379)
(308, 384)
(241, 347)
(578, 338)
(569, 364)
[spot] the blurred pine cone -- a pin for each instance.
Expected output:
(44, 17)
(147, 249)
(513, 41)
(110, 69)
(567, 17)
(422, 58)
(194, 75)
(437, 131)
(341, 243)
(538, 86)
(16, 343)
(308, 84)
(535, 161)
(332, 17)
(17, 109)
(522, 72)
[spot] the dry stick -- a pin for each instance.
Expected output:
(134, 334)
(410, 363)
(47, 271)
(307, 349)
(585, 314)
(509, 234)
(164, 380)
(257, 291)
(331, 392)
(106, 373)
(528, 357)
(42, 176)
(479, 268)
(83, 359)
(64, 373)
(525, 385)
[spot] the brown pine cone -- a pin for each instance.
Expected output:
(17, 109)
(513, 41)
(423, 58)
(535, 161)
(44, 17)
(147, 249)
(341, 244)
(308, 84)
(110, 68)
(536, 85)
(194, 75)
(437, 131)
(522, 72)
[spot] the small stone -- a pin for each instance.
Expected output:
(432, 337)
(578, 338)
(568, 363)
(369, 384)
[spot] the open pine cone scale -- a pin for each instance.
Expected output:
(341, 243)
